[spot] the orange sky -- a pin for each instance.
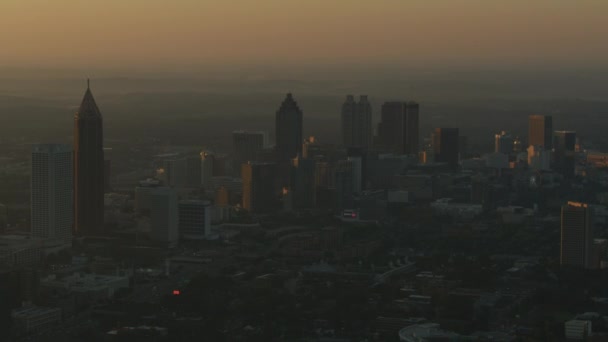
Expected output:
(170, 33)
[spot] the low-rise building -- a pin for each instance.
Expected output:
(35, 319)
(91, 287)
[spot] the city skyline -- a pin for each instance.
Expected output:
(304, 170)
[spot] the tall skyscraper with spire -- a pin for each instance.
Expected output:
(88, 167)
(288, 130)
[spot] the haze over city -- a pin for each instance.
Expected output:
(291, 170)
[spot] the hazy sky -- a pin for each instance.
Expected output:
(411, 33)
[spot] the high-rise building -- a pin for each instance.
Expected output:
(564, 154)
(446, 145)
(194, 218)
(356, 122)
(540, 131)
(303, 189)
(576, 235)
(159, 203)
(539, 159)
(206, 168)
(88, 168)
(503, 143)
(344, 185)
(247, 145)
(398, 130)
(260, 189)
(52, 212)
(288, 127)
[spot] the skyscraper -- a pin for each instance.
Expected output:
(302, 187)
(288, 127)
(260, 188)
(503, 143)
(540, 131)
(564, 145)
(398, 130)
(88, 167)
(357, 122)
(247, 145)
(576, 235)
(446, 145)
(51, 190)
(159, 203)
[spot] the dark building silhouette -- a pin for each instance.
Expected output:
(302, 188)
(260, 187)
(540, 131)
(446, 143)
(88, 167)
(288, 130)
(247, 145)
(398, 130)
(356, 122)
(576, 235)
(564, 144)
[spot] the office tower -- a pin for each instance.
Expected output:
(356, 122)
(302, 189)
(540, 131)
(260, 188)
(446, 145)
(174, 172)
(247, 145)
(344, 181)
(564, 153)
(288, 127)
(194, 218)
(206, 160)
(194, 170)
(159, 203)
(88, 167)
(576, 235)
(358, 159)
(539, 159)
(503, 143)
(398, 130)
(51, 190)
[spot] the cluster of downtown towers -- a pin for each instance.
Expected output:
(68, 181)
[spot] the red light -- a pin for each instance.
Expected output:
(353, 215)
(176, 292)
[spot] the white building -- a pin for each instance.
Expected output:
(577, 329)
(34, 319)
(194, 218)
(52, 192)
(160, 204)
